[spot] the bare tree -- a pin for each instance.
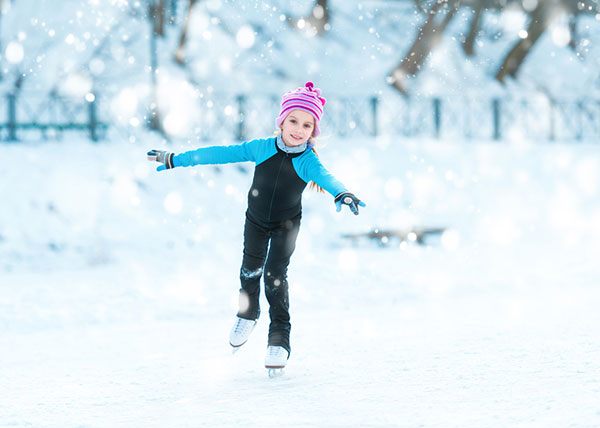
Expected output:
(474, 29)
(179, 59)
(317, 23)
(541, 18)
(156, 13)
(573, 32)
(429, 35)
(157, 9)
(440, 13)
(0, 24)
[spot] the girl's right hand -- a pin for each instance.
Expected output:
(163, 157)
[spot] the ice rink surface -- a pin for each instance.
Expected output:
(118, 287)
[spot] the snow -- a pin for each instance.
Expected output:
(119, 284)
(119, 287)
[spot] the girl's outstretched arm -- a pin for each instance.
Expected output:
(244, 152)
(310, 168)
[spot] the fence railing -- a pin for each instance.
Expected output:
(249, 116)
(50, 115)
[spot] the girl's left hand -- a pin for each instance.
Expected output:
(347, 198)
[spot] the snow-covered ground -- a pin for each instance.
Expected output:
(118, 287)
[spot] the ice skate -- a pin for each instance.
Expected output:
(240, 332)
(276, 360)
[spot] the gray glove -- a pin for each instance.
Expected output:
(161, 156)
(347, 198)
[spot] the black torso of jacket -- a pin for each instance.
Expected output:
(276, 191)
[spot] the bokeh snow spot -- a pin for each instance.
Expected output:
(173, 203)
(500, 229)
(316, 225)
(587, 177)
(14, 52)
(125, 190)
(348, 260)
(77, 85)
(393, 188)
(245, 37)
(561, 36)
(244, 302)
(125, 104)
(175, 123)
(451, 239)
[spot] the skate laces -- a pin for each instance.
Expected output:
(242, 326)
(276, 351)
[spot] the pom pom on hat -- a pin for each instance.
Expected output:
(307, 99)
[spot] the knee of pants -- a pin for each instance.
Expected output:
(276, 278)
(276, 284)
(249, 274)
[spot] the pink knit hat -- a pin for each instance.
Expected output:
(307, 99)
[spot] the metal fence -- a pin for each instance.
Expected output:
(249, 116)
(49, 116)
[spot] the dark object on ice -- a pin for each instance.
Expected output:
(385, 236)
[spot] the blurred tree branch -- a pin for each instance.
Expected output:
(474, 29)
(1, 74)
(542, 14)
(157, 12)
(179, 59)
(428, 37)
(157, 15)
(542, 17)
(317, 23)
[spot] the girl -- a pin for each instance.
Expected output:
(285, 164)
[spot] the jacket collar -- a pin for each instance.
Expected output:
(291, 150)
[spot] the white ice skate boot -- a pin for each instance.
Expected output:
(276, 360)
(240, 332)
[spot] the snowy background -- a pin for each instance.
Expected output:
(118, 285)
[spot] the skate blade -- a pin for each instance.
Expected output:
(275, 372)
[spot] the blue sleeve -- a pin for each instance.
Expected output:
(309, 168)
(245, 152)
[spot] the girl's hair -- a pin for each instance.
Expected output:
(312, 185)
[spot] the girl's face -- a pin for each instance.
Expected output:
(297, 128)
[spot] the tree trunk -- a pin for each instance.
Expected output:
(317, 23)
(319, 19)
(1, 50)
(157, 15)
(428, 38)
(154, 112)
(541, 18)
(179, 59)
(469, 44)
(573, 32)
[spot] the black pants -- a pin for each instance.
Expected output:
(282, 239)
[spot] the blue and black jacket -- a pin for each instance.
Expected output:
(279, 177)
